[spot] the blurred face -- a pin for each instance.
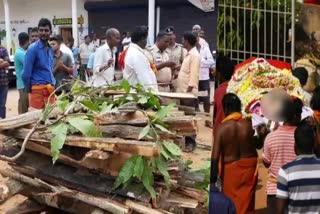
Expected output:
(144, 42)
(185, 43)
(163, 43)
(27, 44)
(196, 29)
(55, 45)
(70, 44)
(201, 34)
(87, 40)
(44, 33)
(172, 37)
(34, 37)
(115, 39)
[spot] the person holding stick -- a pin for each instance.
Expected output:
(103, 68)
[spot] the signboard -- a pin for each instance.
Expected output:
(205, 5)
(67, 21)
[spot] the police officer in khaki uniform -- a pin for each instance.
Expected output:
(176, 54)
(158, 55)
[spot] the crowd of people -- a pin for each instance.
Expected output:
(44, 62)
(290, 152)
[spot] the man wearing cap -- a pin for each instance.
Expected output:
(158, 55)
(176, 54)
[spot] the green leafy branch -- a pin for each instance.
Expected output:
(91, 102)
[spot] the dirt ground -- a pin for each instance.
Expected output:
(198, 157)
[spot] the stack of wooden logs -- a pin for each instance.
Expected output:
(82, 179)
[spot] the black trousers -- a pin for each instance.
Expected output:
(204, 85)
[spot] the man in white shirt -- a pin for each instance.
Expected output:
(197, 29)
(103, 67)
(137, 67)
(85, 50)
(65, 49)
(95, 40)
(207, 62)
(126, 41)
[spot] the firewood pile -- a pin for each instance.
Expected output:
(80, 172)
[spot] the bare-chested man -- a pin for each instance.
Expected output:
(235, 147)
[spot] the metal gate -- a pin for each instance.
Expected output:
(261, 28)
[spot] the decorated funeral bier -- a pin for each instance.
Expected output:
(262, 85)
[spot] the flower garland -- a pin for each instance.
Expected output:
(251, 81)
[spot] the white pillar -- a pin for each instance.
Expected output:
(293, 15)
(8, 25)
(158, 19)
(75, 22)
(151, 20)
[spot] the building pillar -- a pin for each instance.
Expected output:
(151, 20)
(158, 19)
(75, 22)
(7, 25)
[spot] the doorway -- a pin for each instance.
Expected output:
(65, 33)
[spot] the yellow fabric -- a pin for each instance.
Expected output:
(234, 116)
(40, 87)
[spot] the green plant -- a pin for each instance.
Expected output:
(233, 34)
(92, 103)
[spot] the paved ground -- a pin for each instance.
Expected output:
(198, 157)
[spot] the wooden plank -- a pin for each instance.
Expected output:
(141, 208)
(27, 207)
(40, 166)
(60, 191)
(186, 125)
(192, 193)
(181, 201)
(110, 165)
(23, 119)
(144, 148)
(171, 95)
(130, 132)
(67, 204)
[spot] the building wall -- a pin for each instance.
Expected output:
(184, 17)
(25, 14)
(125, 17)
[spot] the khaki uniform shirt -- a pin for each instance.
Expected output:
(156, 56)
(177, 53)
(189, 72)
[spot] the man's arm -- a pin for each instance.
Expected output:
(4, 60)
(18, 59)
(69, 66)
(194, 72)
(160, 65)
(29, 60)
(215, 155)
(282, 192)
(4, 63)
(208, 61)
(258, 140)
(99, 64)
(266, 154)
(144, 73)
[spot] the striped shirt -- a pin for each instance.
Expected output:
(278, 150)
(299, 182)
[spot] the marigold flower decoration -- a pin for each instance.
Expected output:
(252, 79)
